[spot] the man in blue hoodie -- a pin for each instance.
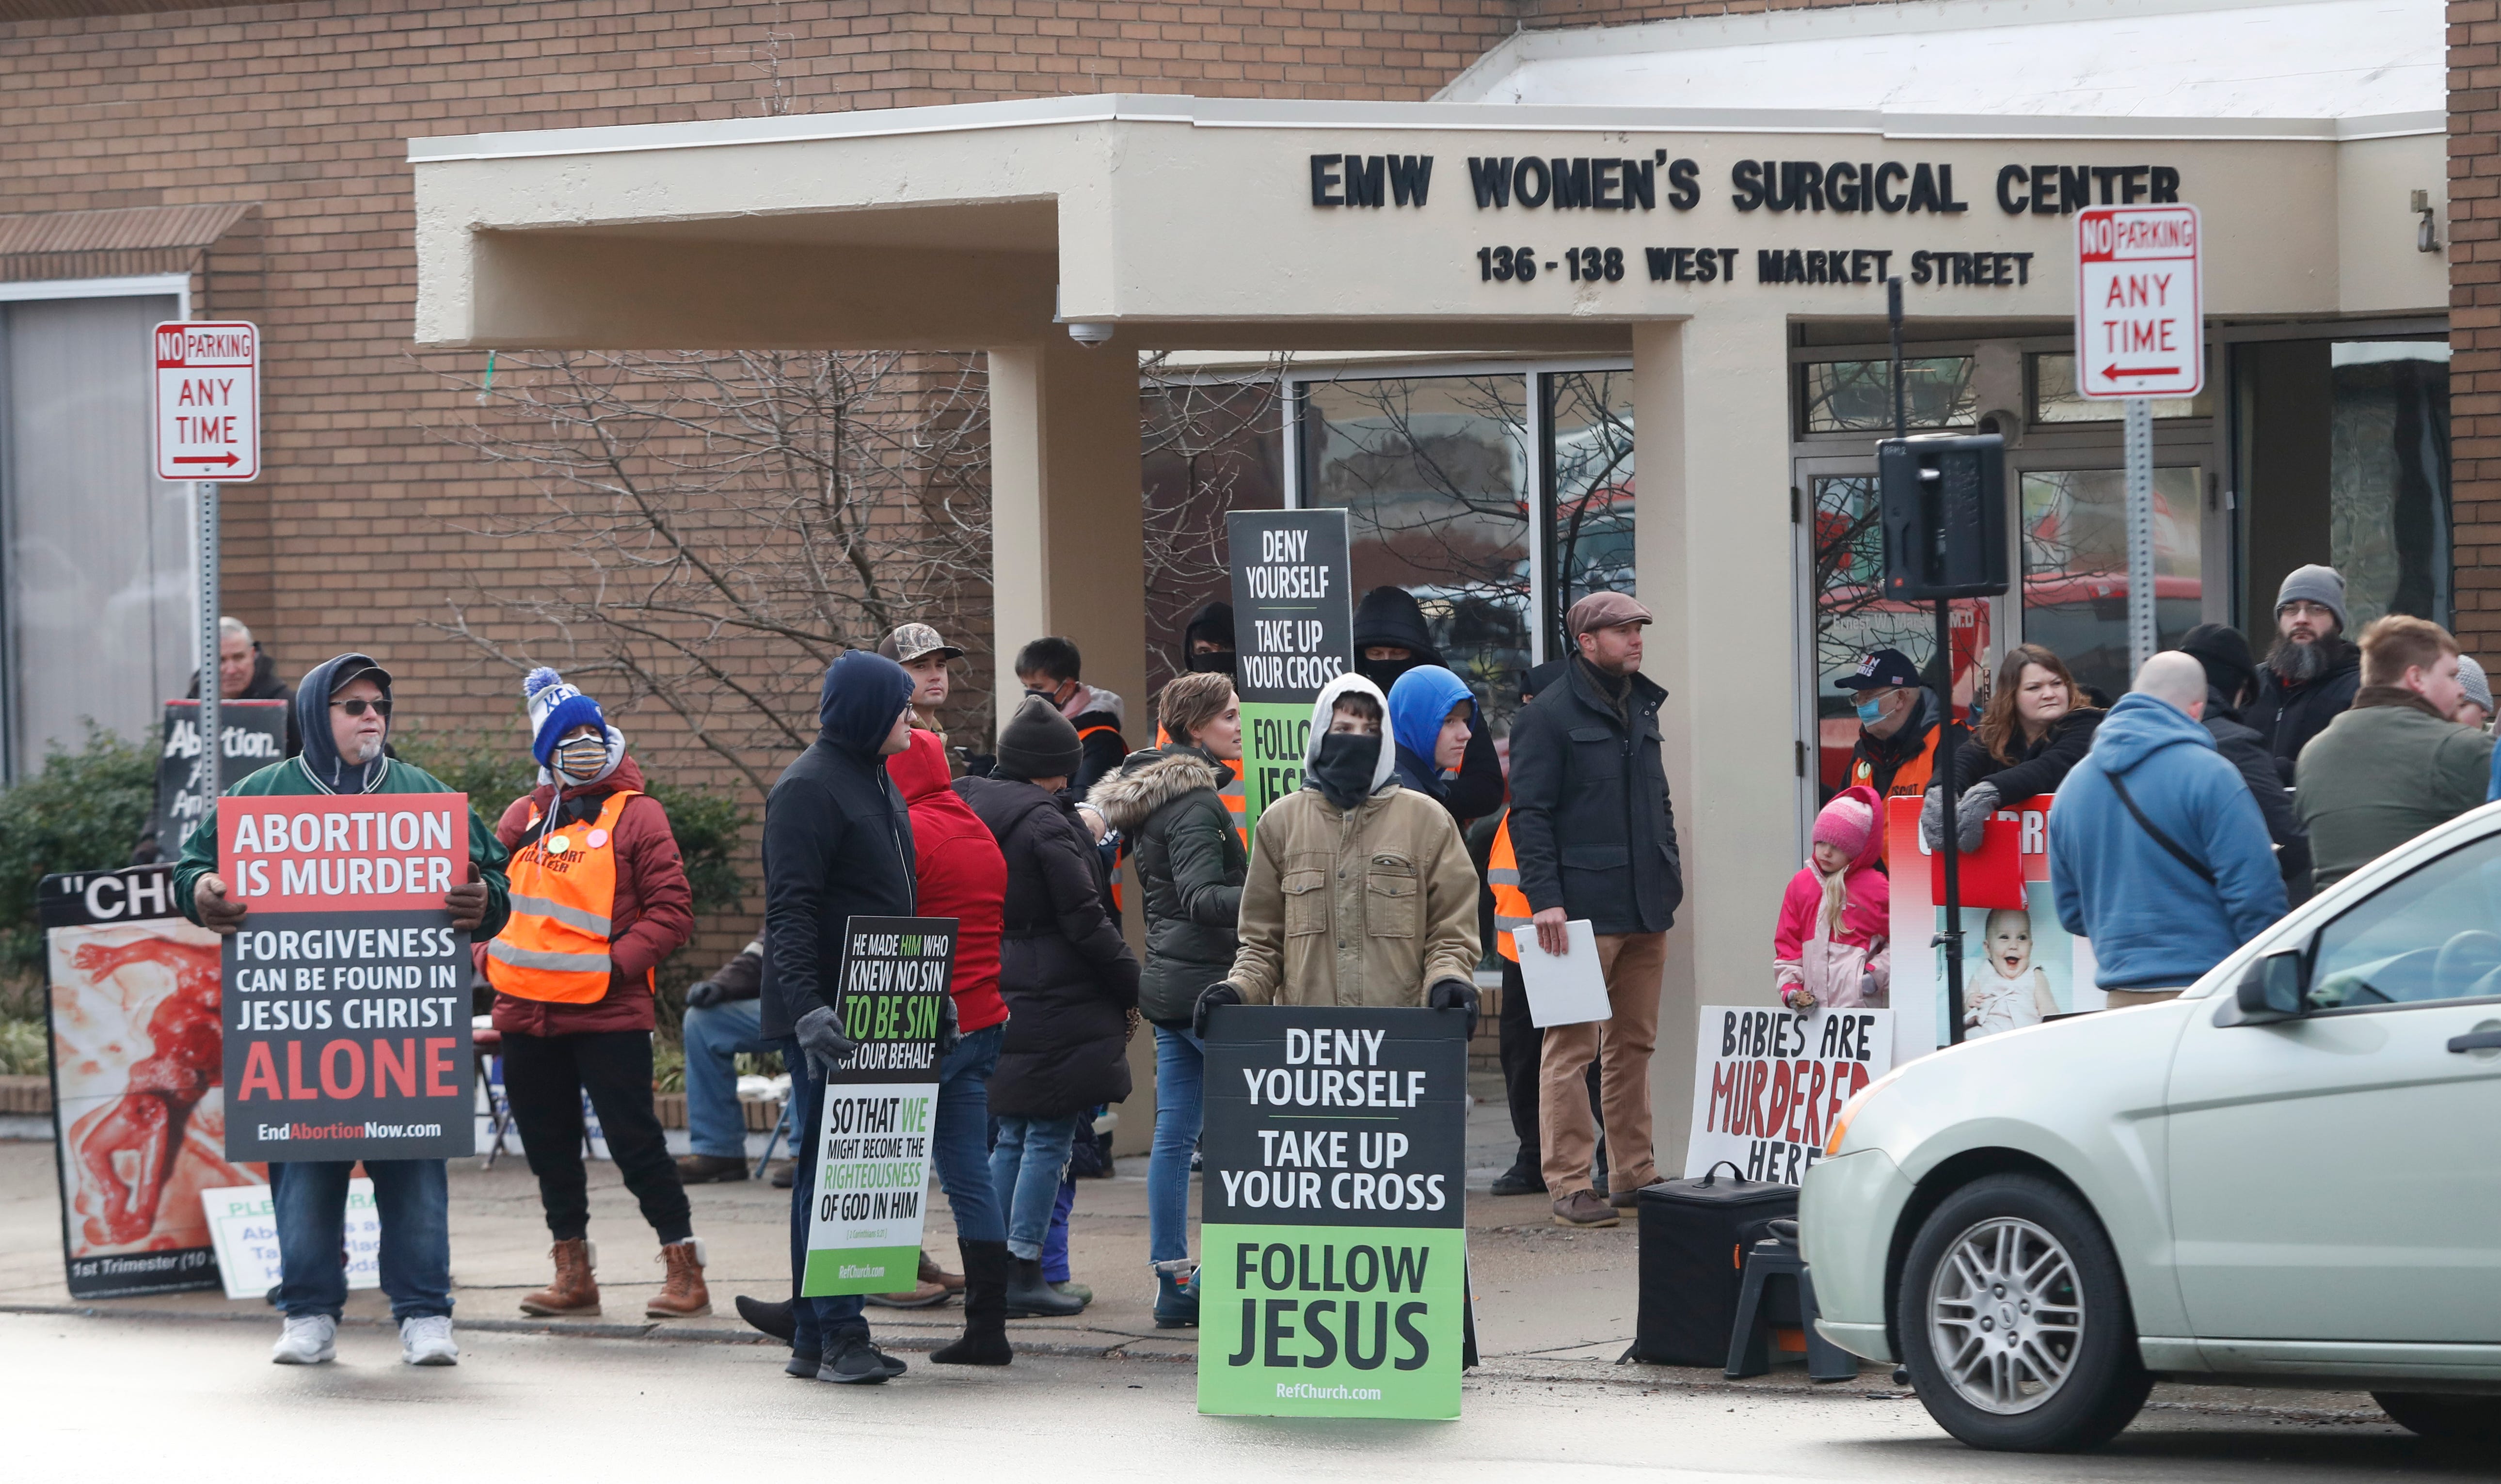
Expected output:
(2157, 852)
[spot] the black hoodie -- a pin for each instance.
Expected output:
(1391, 615)
(837, 840)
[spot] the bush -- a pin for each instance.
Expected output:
(83, 811)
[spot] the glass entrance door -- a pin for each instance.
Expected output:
(2074, 534)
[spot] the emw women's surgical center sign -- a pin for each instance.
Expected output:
(347, 990)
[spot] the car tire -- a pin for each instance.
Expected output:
(2443, 1417)
(2045, 1360)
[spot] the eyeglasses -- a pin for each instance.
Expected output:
(357, 706)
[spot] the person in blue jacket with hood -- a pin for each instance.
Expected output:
(1439, 729)
(2167, 889)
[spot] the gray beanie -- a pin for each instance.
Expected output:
(2315, 584)
(1038, 742)
(2470, 676)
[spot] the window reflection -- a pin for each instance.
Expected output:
(2075, 567)
(1589, 422)
(2054, 398)
(1857, 396)
(2387, 478)
(1851, 617)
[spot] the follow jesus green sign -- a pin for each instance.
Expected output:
(1333, 1267)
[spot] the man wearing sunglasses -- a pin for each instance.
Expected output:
(343, 712)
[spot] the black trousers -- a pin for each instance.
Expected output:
(1520, 1047)
(545, 1077)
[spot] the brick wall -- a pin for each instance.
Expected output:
(2475, 316)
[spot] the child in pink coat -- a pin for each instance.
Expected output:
(1830, 947)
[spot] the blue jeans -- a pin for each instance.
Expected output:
(817, 1325)
(714, 1035)
(1025, 1170)
(963, 1131)
(414, 1201)
(1181, 1087)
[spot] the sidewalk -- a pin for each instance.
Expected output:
(1542, 1293)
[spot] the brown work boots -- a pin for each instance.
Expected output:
(575, 1292)
(682, 1296)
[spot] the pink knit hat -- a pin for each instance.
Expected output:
(1845, 824)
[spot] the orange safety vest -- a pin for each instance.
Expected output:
(1911, 781)
(1509, 902)
(563, 889)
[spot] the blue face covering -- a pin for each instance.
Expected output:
(1871, 711)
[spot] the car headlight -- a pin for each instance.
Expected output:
(1849, 1111)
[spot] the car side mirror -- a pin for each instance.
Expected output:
(2271, 988)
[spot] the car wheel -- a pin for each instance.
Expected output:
(2443, 1417)
(2015, 1323)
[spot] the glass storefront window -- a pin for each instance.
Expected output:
(1435, 477)
(1589, 464)
(2054, 398)
(2387, 478)
(2075, 566)
(1852, 616)
(1857, 396)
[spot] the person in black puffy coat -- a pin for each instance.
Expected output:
(2036, 728)
(1069, 980)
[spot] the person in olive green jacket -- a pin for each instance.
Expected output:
(1360, 892)
(343, 714)
(2396, 764)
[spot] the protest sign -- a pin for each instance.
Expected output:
(347, 1003)
(1333, 1237)
(881, 1110)
(1294, 625)
(254, 735)
(2019, 965)
(138, 1111)
(1767, 1084)
(244, 1221)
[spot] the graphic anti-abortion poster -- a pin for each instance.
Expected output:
(254, 737)
(881, 1111)
(2019, 965)
(347, 1002)
(1333, 1237)
(1767, 1084)
(138, 1111)
(1293, 626)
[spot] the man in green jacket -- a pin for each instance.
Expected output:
(2396, 764)
(343, 712)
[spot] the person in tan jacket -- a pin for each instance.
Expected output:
(1360, 892)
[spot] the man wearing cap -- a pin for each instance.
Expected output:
(2474, 694)
(1594, 834)
(343, 714)
(925, 655)
(2310, 677)
(1899, 721)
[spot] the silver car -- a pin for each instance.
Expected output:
(2288, 1177)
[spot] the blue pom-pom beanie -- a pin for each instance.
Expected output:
(555, 708)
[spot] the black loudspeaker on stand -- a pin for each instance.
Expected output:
(1942, 504)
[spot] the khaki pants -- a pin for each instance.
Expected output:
(1634, 964)
(2121, 999)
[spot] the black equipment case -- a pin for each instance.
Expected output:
(1694, 1235)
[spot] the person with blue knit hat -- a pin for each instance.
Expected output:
(600, 900)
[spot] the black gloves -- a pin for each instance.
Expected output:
(1453, 995)
(702, 994)
(1214, 995)
(949, 1032)
(820, 1033)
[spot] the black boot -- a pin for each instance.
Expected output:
(986, 1308)
(1030, 1298)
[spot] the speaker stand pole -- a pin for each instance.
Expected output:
(1949, 937)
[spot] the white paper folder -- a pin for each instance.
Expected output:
(1565, 990)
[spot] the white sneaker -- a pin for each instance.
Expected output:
(306, 1341)
(426, 1341)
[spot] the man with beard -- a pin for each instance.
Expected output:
(2310, 677)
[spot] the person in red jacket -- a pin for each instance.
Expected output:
(958, 872)
(600, 899)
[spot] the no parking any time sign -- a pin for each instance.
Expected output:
(208, 401)
(2139, 330)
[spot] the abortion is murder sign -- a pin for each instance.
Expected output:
(346, 989)
(1333, 1230)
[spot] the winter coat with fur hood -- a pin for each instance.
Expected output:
(1190, 867)
(1363, 906)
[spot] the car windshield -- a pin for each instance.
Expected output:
(2434, 933)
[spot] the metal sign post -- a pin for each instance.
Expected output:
(2142, 638)
(207, 424)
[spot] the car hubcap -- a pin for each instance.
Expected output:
(2006, 1315)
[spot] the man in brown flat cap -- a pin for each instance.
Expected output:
(1595, 838)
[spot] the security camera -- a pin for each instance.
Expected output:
(2006, 424)
(1089, 333)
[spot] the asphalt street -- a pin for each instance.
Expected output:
(199, 1401)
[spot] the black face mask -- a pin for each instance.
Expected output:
(1385, 673)
(1215, 662)
(1343, 767)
